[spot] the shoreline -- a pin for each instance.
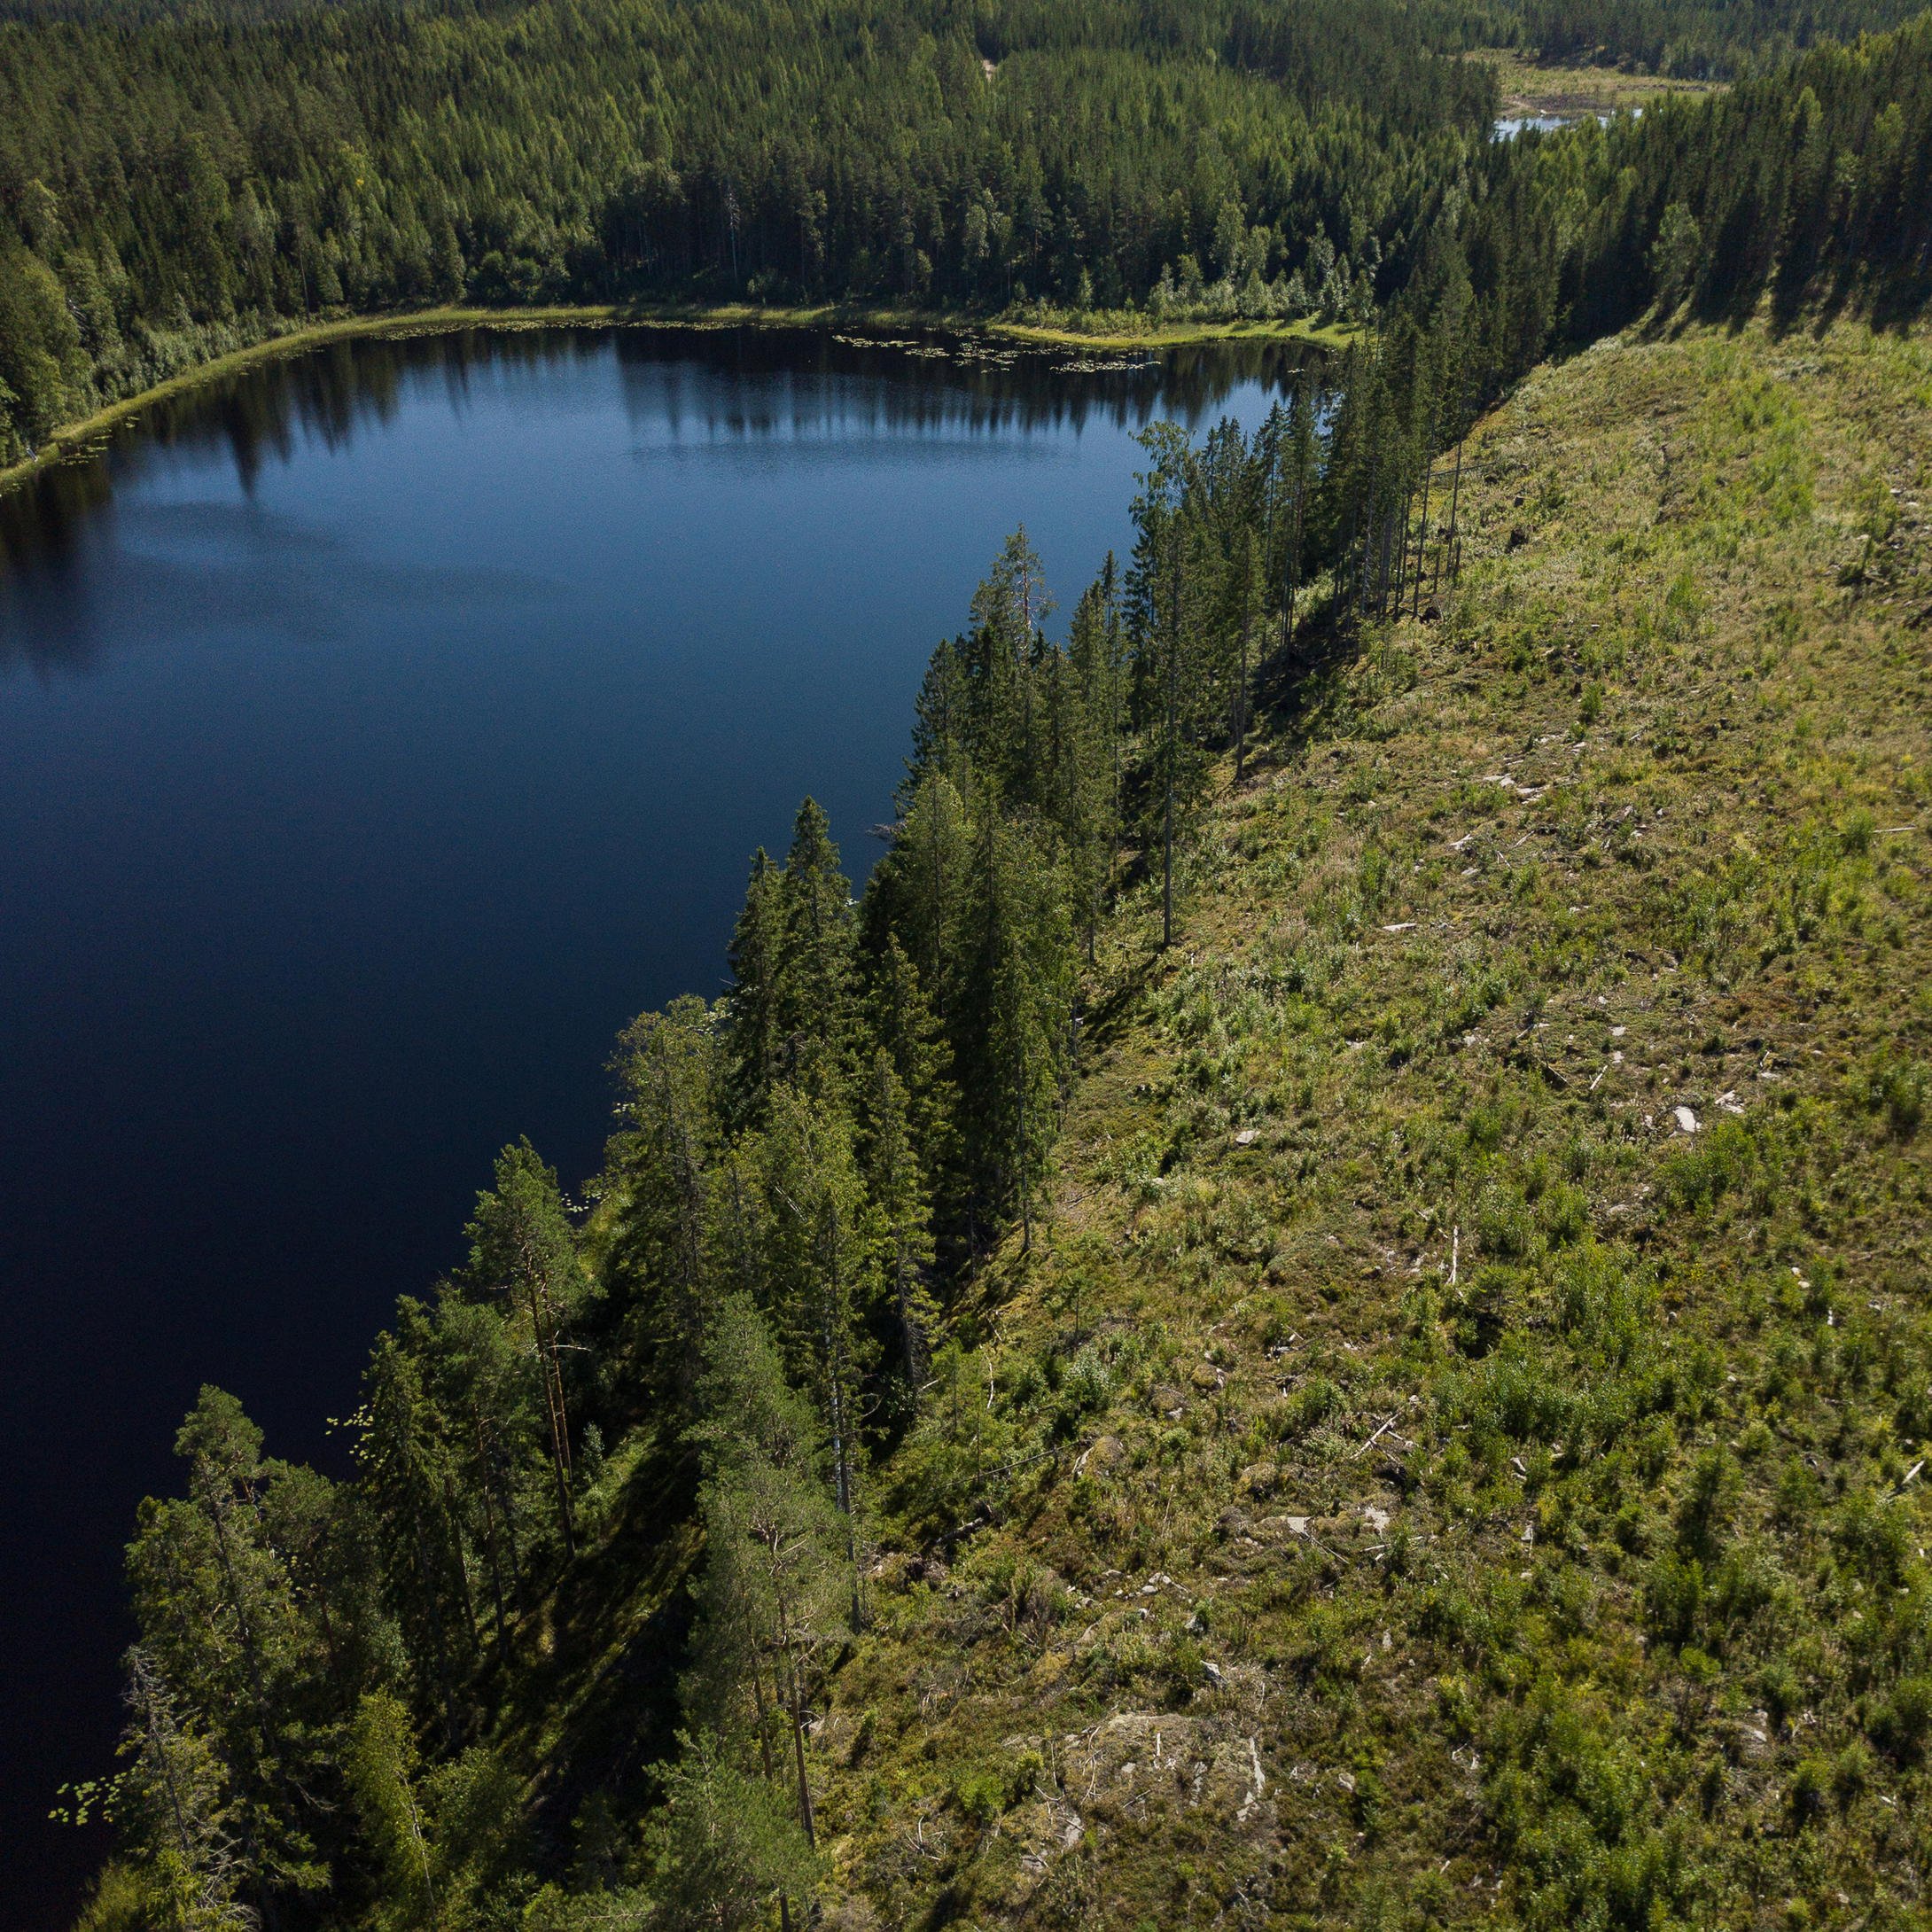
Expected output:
(78, 439)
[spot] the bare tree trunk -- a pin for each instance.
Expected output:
(807, 1818)
(1421, 536)
(484, 1486)
(1241, 677)
(1292, 570)
(771, 1772)
(1026, 1197)
(1174, 754)
(553, 1402)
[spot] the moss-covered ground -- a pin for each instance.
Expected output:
(1458, 1450)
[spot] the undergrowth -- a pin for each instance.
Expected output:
(1458, 1449)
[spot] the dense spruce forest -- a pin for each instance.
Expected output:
(427, 1695)
(175, 183)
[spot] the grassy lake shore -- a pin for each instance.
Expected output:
(83, 436)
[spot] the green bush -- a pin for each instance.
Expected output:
(1674, 1599)
(1810, 1783)
(1704, 1511)
(1898, 1091)
(1903, 1722)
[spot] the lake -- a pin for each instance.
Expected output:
(379, 730)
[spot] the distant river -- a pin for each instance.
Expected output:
(378, 732)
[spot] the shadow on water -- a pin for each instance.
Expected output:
(356, 798)
(718, 386)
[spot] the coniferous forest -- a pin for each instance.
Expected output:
(178, 182)
(557, 1654)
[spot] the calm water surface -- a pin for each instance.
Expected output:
(378, 732)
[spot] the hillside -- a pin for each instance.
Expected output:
(1457, 1447)
(1409, 1402)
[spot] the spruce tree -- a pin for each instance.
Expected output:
(480, 1381)
(902, 1213)
(1006, 646)
(220, 1625)
(176, 1812)
(821, 1270)
(382, 1766)
(752, 1022)
(917, 890)
(777, 1578)
(675, 1077)
(1018, 1002)
(523, 1252)
(406, 1474)
(815, 978)
(1164, 572)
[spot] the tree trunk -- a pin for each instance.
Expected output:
(806, 1818)
(1421, 536)
(1241, 685)
(771, 1774)
(484, 1486)
(1174, 754)
(553, 1400)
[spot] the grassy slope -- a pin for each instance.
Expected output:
(1404, 1354)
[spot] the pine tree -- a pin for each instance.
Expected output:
(722, 1845)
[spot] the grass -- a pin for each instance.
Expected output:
(1414, 1479)
(1109, 331)
(1531, 86)
(1132, 330)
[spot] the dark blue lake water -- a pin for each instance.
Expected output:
(378, 732)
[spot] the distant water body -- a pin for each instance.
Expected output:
(379, 730)
(1509, 127)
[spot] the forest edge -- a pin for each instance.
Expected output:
(82, 439)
